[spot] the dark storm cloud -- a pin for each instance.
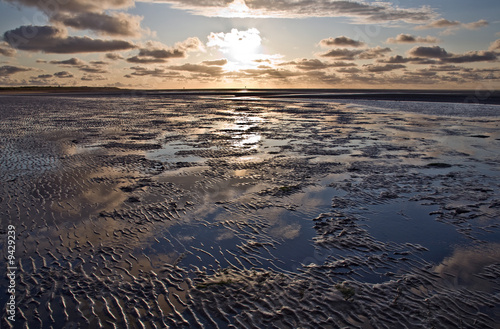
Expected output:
(408, 38)
(341, 42)
(7, 70)
(50, 39)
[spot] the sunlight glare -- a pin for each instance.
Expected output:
(242, 47)
(237, 8)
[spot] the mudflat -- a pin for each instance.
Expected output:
(250, 210)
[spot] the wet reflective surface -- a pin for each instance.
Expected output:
(147, 212)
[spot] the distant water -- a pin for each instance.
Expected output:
(431, 108)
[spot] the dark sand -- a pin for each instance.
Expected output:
(206, 211)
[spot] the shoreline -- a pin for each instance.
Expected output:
(450, 96)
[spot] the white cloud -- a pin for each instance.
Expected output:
(359, 11)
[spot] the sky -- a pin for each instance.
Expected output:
(164, 44)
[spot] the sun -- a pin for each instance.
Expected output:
(241, 47)
(237, 8)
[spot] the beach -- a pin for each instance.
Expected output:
(251, 210)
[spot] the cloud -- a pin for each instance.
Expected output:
(342, 53)
(114, 56)
(93, 77)
(8, 70)
(98, 63)
(375, 52)
(351, 54)
(71, 62)
(452, 26)
(315, 64)
(471, 56)
(156, 52)
(162, 53)
(43, 76)
(439, 24)
(156, 72)
(428, 52)
(476, 25)
(445, 68)
(383, 68)
(6, 50)
(89, 14)
(198, 68)
(358, 11)
(341, 41)
(445, 57)
(307, 64)
(349, 70)
(50, 39)
(495, 45)
(145, 60)
(90, 69)
(73, 6)
(63, 75)
(190, 44)
(116, 24)
(408, 38)
(270, 73)
(217, 62)
(94, 67)
(398, 59)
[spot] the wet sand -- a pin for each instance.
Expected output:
(214, 211)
